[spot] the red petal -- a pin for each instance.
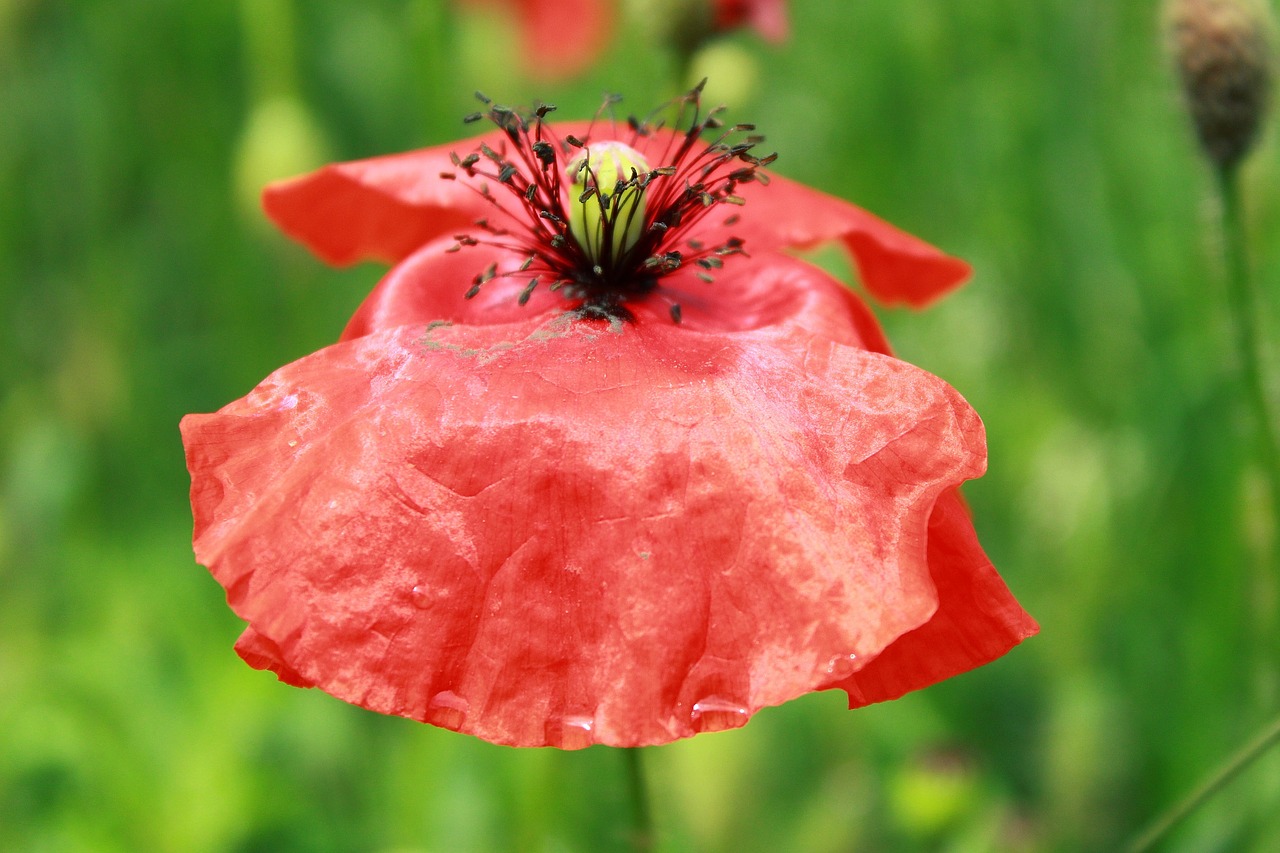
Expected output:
(747, 294)
(388, 207)
(977, 620)
(895, 266)
(558, 532)
(379, 209)
(261, 653)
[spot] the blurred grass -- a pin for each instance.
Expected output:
(1042, 141)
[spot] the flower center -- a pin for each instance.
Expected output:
(606, 213)
(595, 220)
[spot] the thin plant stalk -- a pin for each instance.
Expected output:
(1248, 316)
(1220, 778)
(641, 836)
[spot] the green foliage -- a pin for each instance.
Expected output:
(1042, 141)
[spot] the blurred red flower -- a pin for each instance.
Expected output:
(579, 514)
(560, 38)
(767, 17)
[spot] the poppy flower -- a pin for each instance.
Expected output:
(560, 38)
(597, 461)
(767, 17)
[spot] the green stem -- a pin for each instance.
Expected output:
(1248, 315)
(1164, 824)
(642, 837)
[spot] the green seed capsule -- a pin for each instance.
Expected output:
(607, 206)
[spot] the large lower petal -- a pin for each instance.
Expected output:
(560, 532)
(977, 619)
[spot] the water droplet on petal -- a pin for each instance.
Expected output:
(715, 714)
(421, 596)
(572, 731)
(447, 710)
(842, 666)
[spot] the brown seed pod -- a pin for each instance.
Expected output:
(1223, 53)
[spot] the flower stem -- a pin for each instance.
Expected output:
(1164, 824)
(1247, 316)
(642, 838)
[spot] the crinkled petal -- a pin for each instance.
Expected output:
(977, 619)
(560, 532)
(386, 208)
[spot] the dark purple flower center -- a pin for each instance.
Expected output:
(603, 218)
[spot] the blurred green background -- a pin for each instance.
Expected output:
(1043, 141)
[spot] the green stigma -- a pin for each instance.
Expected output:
(606, 209)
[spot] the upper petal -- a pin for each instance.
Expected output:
(547, 531)
(894, 266)
(386, 208)
(748, 293)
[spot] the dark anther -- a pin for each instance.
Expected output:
(528, 291)
(508, 172)
(675, 312)
(480, 96)
(470, 294)
(448, 176)
(472, 118)
(574, 141)
(545, 153)
(530, 192)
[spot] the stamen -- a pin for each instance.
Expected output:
(592, 216)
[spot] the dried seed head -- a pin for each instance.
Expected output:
(1222, 49)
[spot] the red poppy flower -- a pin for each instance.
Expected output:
(560, 38)
(569, 480)
(767, 17)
